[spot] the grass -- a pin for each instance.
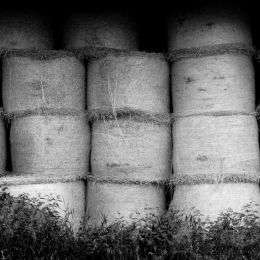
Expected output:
(31, 229)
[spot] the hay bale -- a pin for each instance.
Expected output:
(214, 83)
(50, 145)
(212, 199)
(70, 195)
(128, 202)
(2, 146)
(210, 25)
(24, 30)
(135, 80)
(128, 149)
(109, 30)
(215, 146)
(30, 83)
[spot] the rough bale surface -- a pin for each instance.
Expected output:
(109, 30)
(2, 146)
(212, 199)
(128, 149)
(21, 30)
(30, 83)
(134, 80)
(71, 196)
(215, 146)
(224, 82)
(50, 145)
(125, 201)
(213, 24)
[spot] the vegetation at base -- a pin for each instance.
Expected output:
(31, 229)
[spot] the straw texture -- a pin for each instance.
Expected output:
(70, 196)
(210, 25)
(215, 145)
(133, 80)
(128, 202)
(212, 199)
(214, 83)
(50, 145)
(128, 149)
(22, 30)
(30, 83)
(110, 30)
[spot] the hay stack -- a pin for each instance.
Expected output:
(214, 83)
(135, 81)
(215, 139)
(127, 149)
(2, 146)
(210, 25)
(127, 157)
(50, 145)
(127, 202)
(32, 82)
(70, 195)
(21, 30)
(105, 30)
(215, 146)
(212, 199)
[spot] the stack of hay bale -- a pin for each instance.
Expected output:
(44, 95)
(128, 100)
(215, 133)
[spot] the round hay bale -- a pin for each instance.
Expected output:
(22, 30)
(212, 199)
(123, 201)
(210, 25)
(127, 149)
(214, 83)
(3, 150)
(30, 83)
(50, 145)
(135, 80)
(70, 197)
(105, 30)
(215, 146)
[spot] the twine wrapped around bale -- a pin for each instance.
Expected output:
(40, 79)
(110, 30)
(235, 49)
(215, 145)
(130, 149)
(122, 201)
(213, 24)
(223, 82)
(24, 30)
(132, 114)
(212, 199)
(50, 145)
(136, 80)
(69, 192)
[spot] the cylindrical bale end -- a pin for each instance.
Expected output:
(70, 197)
(130, 150)
(135, 81)
(50, 145)
(24, 30)
(214, 83)
(213, 24)
(125, 202)
(30, 83)
(102, 30)
(213, 199)
(215, 146)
